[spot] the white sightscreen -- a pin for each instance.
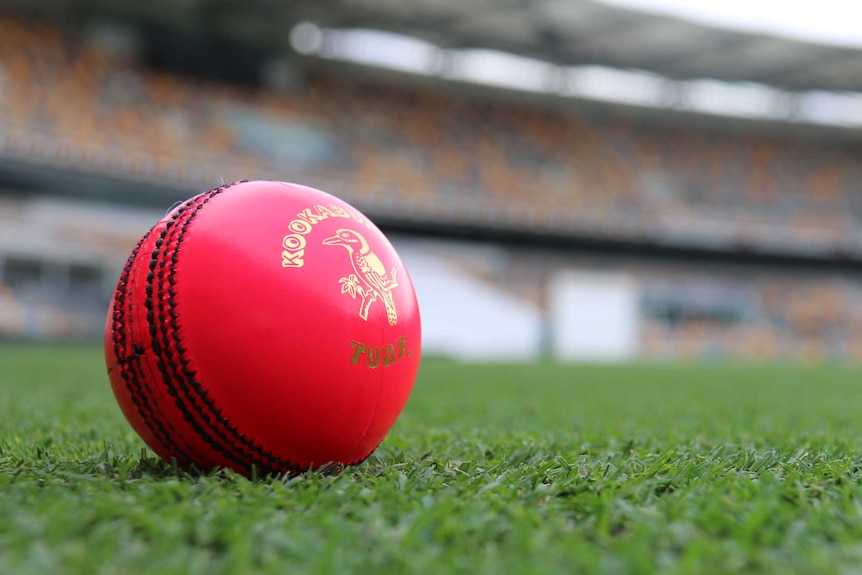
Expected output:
(593, 316)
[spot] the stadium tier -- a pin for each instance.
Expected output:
(431, 156)
(693, 311)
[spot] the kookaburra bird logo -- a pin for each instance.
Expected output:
(369, 279)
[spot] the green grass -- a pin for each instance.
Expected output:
(491, 469)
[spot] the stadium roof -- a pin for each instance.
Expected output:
(583, 32)
(563, 32)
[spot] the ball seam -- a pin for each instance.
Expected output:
(223, 436)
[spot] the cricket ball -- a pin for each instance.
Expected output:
(263, 327)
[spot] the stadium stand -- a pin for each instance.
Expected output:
(713, 311)
(13, 317)
(58, 262)
(437, 156)
(432, 156)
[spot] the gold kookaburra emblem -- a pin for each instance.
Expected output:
(369, 279)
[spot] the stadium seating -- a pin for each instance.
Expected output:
(441, 157)
(432, 155)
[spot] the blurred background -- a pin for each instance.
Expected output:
(597, 181)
